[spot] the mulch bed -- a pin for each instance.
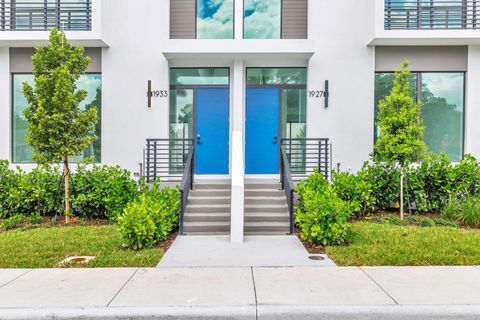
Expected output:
(165, 245)
(309, 247)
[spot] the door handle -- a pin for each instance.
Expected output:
(198, 139)
(275, 140)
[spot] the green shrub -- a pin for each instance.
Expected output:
(322, 215)
(355, 191)
(12, 222)
(150, 218)
(136, 224)
(464, 210)
(24, 193)
(430, 184)
(383, 179)
(102, 191)
(466, 177)
(34, 219)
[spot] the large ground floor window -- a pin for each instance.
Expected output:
(22, 151)
(442, 96)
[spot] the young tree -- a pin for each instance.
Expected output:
(400, 138)
(57, 127)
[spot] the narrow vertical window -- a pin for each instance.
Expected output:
(262, 19)
(214, 19)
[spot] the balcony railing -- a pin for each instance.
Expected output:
(17, 15)
(431, 14)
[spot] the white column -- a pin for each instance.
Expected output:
(472, 110)
(237, 156)
(5, 93)
(238, 22)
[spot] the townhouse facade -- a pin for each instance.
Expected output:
(307, 74)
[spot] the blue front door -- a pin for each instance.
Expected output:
(261, 138)
(212, 130)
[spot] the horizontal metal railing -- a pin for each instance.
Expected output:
(45, 15)
(306, 155)
(167, 158)
(431, 14)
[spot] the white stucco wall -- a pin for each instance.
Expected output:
(133, 57)
(343, 58)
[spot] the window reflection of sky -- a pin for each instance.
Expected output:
(215, 19)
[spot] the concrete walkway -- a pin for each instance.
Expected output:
(256, 251)
(242, 293)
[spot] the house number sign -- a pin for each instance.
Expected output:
(317, 94)
(154, 93)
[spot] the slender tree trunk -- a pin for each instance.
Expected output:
(401, 193)
(66, 176)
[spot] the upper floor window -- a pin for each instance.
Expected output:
(42, 15)
(214, 19)
(262, 19)
(430, 14)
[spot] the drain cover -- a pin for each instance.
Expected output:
(316, 258)
(79, 259)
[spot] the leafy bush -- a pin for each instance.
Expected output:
(102, 191)
(464, 210)
(383, 179)
(355, 191)
(150, 218)
(24, 193)
(466, 177)
(136, 224)
(12, 222)
(430, 183)
(322, 215)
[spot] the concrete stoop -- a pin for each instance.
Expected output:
(208, 210)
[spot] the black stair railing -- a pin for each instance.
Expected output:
(186, 186)
(171, 160)
(289, 187)
(298, 159)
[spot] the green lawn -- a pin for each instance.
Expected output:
(46, 247)
(376, 244)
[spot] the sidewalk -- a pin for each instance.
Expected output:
(242, 293)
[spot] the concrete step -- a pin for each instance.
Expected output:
(263, 186)
(194, 200)
(266, 208)
(267, 227)
(267, 217)
(202, 208)
(265, 193)
(266, 201)
(207, 217)
(212, 186)
(207, 227)
(211, 193)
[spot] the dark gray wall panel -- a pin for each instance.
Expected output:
(182, 19)
(295, 19)
(21, 59)
(427, 58)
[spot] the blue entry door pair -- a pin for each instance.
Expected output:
(212, 130)
(262, 131)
